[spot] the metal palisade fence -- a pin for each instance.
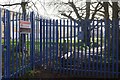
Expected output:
(16, 46)
(86, 48)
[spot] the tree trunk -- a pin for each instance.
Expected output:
(85, 27)
(106, 9)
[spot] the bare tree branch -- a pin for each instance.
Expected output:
(43, 6)
(82, 8)
(35, 6)
(99, 11)
(100, 14)
(74, 8)
(78, 8)
(70, 17)
(110, 5)
(10, 4)
(93, 15)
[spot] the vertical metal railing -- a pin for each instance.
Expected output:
(85, 48)
(113, 46)
(0, 44)
(117, 49)
(71, 47)
(50, 54)
(64, 47)
(59, 47)
(41, 52)
(13, 45)
(4, 50)
(78, 50)
(89, 63)
(8, 43)
(16, 41)
(32, 39)
(67, 45)
(97, 61)
(46, 43)
(57, 38)
(74, 52)
(109, 50)
(81, 51)
(105, 47)
(101, 44)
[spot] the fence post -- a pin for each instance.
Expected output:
(0, 47)
(8, 43)
(41, 42)
(32, 37)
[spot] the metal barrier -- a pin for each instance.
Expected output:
(17, 49)
(80, 48)
(0, 47)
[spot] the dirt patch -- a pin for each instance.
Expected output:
(39, 72)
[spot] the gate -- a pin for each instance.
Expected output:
(86, 48)
(17, 52)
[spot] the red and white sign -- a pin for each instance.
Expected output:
(25, 27)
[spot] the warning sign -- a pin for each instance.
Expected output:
(25, 27)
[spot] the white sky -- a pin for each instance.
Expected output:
(43, 10)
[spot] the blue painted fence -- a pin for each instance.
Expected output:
(80, 48)
(17, 48)
(86, 48)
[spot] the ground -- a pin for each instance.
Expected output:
(41, 73)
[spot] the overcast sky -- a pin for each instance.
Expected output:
(42, 6)
(43, 10)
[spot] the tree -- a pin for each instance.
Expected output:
(90, 10)
(77, 12)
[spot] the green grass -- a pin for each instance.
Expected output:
(62, 41)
